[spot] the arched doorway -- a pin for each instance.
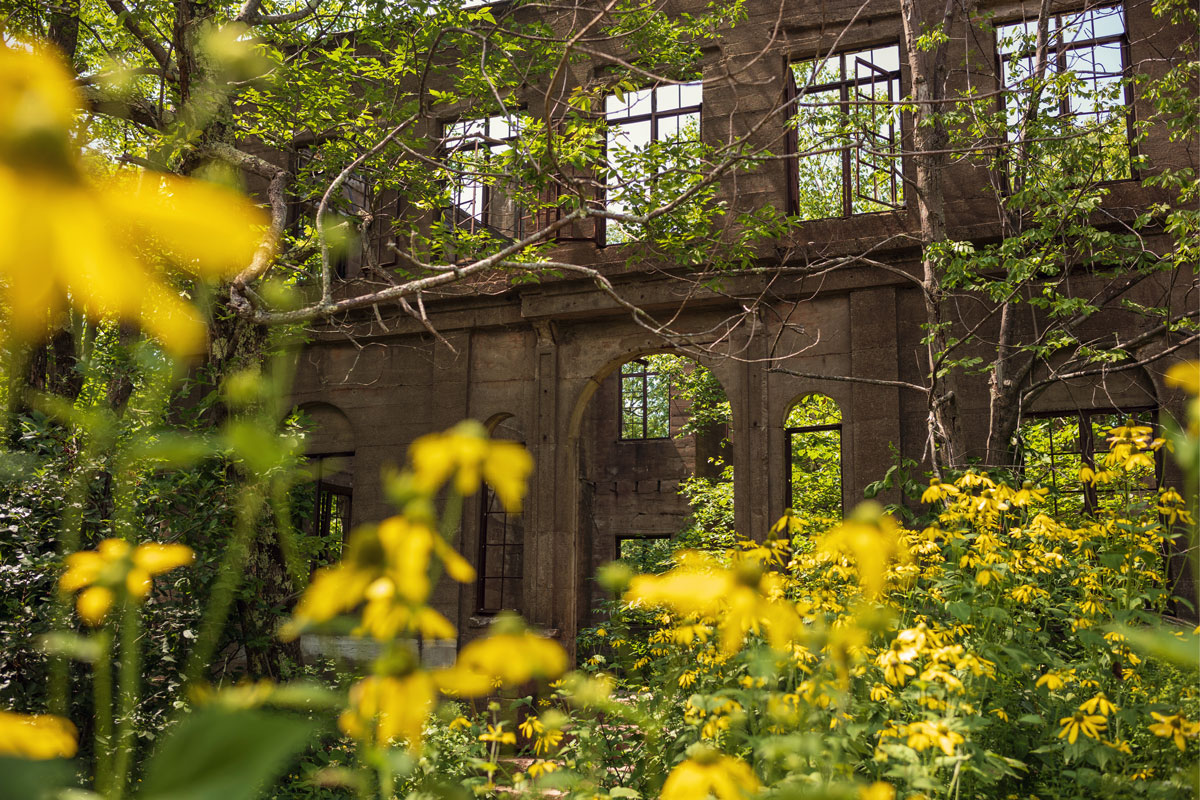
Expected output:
(652, 448)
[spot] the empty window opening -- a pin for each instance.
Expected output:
(846, 134)
(646, 554)
(639, 124)
(478, 165)
(322, 509)
(1055, 447)
(645, 401)
(1085, 94)
(814, 468)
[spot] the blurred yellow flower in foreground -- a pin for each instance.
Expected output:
(114, 564)
(466, 453)
(99, 244)
(710, 773)
(387, 568)
(740, 600)
(384, 708)
(502, 660)
(37, 736)
(871, 540)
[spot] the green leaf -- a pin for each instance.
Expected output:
(29, 779)
(960, 610)
(215, 754)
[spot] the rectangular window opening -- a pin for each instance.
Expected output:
(846, 134)
(501, 556)
(1085, 96)
(645, 401)
(639, 122)
(1054, 447)
(475, 153)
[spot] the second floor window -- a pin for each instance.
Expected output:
(1083, 96)
(846, 134)
(645, 401)
(640, 123)
(475, 158)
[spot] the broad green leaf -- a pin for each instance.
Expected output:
(216, 754)
(30, 779)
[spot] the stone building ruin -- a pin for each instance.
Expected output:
(542, 363)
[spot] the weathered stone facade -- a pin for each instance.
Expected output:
(538, 361)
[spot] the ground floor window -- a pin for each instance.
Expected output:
(814, 466)
(501, 555)
(646, 554)
(322, 507)
(1055, 447)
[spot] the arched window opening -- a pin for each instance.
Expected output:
(814, 466)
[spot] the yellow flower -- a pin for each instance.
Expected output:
(38, 736)
(466, 453)
(114, 566)
(497, 734)
(1100, 704)
(1184, 376)
(880, 692)
(384, 708)
(1051, 680)
(502, 660)
(1092, 726)
(1174, 727)
(923, 735)
(710, 773)
(872, 540)
(459, 722)
(938, 491)
(387, 567)
(743, 600)
(541, 767)
(96, 242)
(877, 791)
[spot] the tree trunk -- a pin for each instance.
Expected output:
(930, 142)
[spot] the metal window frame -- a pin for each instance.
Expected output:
(1087, 448)
(1058, 50)
(845, 86)
(653, 116)
(453, 214)
(790, 433)
(488, 499)
(643, 376)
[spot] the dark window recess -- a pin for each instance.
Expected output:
(845, 134)
(322, 509)
(1054, 447)
(501, 555)
(1092, 46)
(645, 401)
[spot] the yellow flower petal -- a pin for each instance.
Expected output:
(159, 558)
(39, 736)
(93, 604)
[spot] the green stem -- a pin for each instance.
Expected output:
(128, 689)
(229, 577)
(102, 700)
